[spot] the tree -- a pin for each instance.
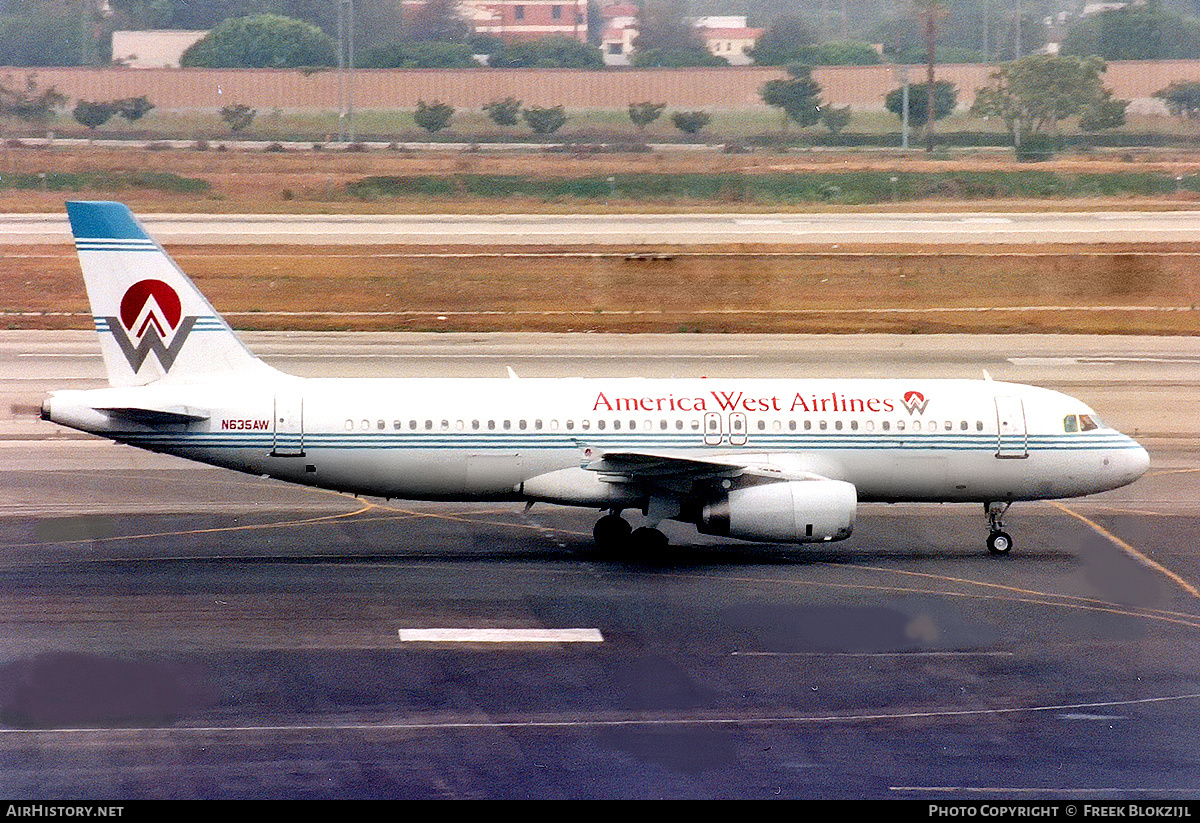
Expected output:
(555, 52)
(504, 112)
(422, 55)
(31, 104)
(238, 117)
(545, 120)
(835, 119)
(799, 97)
(945, 98)
(643, 114)
(93, 115)
(1135, 32)
(433, 117)
(133, 108)
(930, 13)
(41, 33)
(261, 41)
(437, 21)
(1105, 113)
(1182, 98)
(690, 122)
(1035, 93)
(784, 41)
(666, 38)
(675, 58)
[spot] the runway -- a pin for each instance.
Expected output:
(199, 633)
(640, 229)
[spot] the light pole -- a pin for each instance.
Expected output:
(345, 69)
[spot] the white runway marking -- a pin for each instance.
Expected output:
(446, 635)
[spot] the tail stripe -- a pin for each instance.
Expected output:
(87, 244)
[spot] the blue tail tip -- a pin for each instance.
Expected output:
(95, 219)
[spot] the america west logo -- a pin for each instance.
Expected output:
(151, 320)
(915, 402)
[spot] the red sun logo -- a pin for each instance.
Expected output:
(166, 301)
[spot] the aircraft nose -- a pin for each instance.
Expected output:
(1139, 461)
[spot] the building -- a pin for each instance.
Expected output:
(728, 38)
(620, 28)
(515, 21)
(151, 49)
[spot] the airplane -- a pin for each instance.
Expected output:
(761, 460)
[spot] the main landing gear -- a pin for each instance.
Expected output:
(614, 535)
(998, 541)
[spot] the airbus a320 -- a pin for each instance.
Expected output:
(768, 460)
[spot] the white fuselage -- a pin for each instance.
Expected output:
(453, 439)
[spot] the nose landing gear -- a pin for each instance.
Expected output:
(998, 540)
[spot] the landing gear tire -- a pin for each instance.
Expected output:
(648, 544)
(611, 533)
(999, 543)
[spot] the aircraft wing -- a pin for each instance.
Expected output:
(666, 467)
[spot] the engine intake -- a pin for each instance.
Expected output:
(795, 511)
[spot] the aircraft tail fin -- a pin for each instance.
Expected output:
(152, 320)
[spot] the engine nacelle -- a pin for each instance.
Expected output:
(795, 511)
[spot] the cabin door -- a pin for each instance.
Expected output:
(289, 426)
(1013, 437)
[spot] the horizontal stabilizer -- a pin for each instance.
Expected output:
(149, 416)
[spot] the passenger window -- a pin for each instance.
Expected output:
(428, 424)
(600, 424)
(491, 424)
(570, 425)
(900, 425)
(475, 424)
(838, 425)
(963, 425)
(521, 425)
(507, 425)
(349, 425)
(978, 425)
(885, 425)
(396, 424)
(585, 424)
(808, 425)
(366, 424)
(381, 425)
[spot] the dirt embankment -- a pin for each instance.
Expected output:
(1099, 288)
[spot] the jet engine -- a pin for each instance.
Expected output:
(794, 511)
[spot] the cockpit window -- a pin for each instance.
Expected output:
(1082, 423)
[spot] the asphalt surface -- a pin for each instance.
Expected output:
(641, 229)
(180, 631)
